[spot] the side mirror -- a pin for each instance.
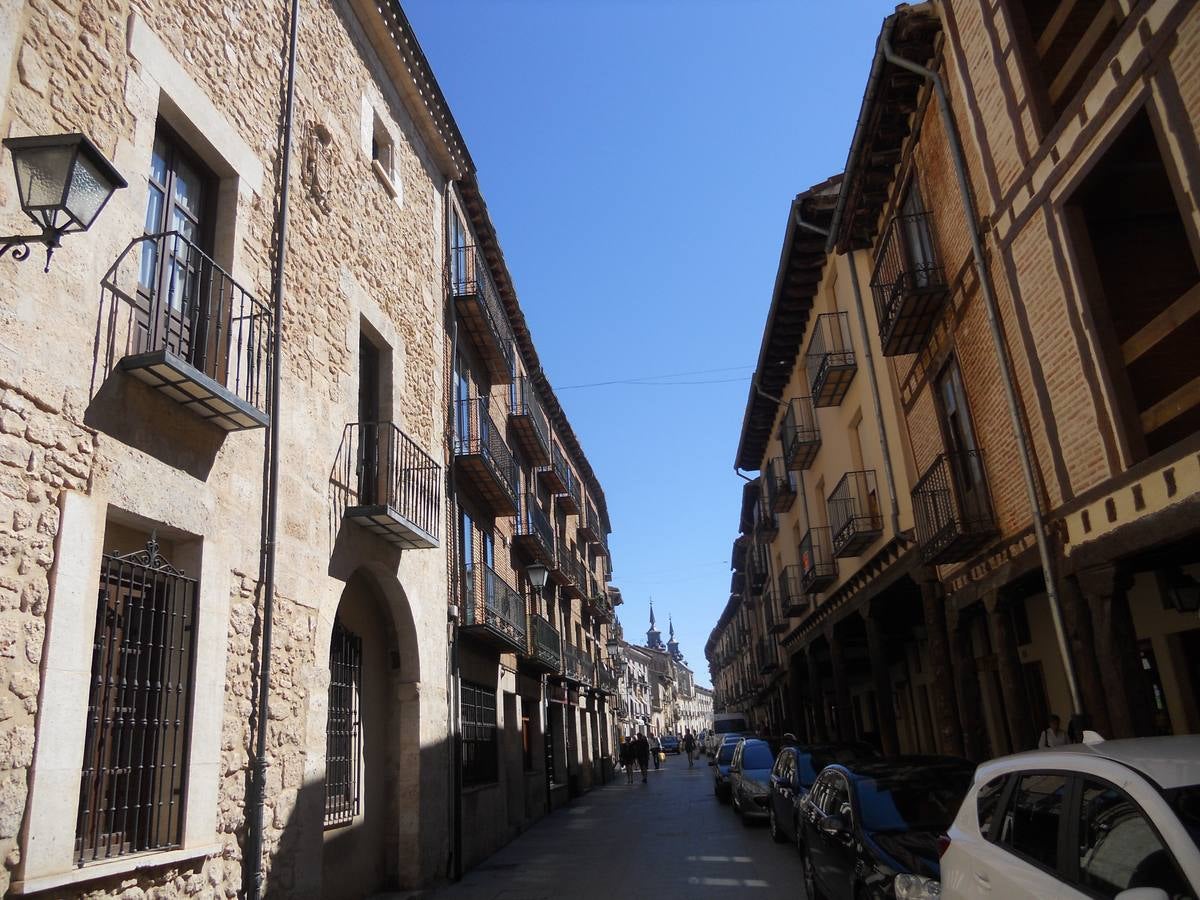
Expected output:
(834, 826)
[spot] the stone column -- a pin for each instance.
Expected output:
(1130, 709)
(820, 726)
(796, 696)
(1012, 684)
(843, 713)
(1077, 620)
(945, 704)
(966, 677)
(881, 676)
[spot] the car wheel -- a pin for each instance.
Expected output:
(810, 880)
(776, 835)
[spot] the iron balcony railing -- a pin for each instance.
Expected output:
(578, 666)
(589, 523)
(759, 568)
(818, 566)
(528, 421)
(855, 520)
(565, 570)
(556, 472)
(766, 522)
(570, 498)
(781, 486)
(389, 485)
(799, 434)
(480, 309)
(480, 450)
(606, 679)
(545, 643)
(188, 329)
(773, 616)
(953, 511)
(793, 600)
(830, 361)
(908, 284)
(768, 657)
(492, 606)
(533, 533)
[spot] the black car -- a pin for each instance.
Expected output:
(865, 824)
(795, 771)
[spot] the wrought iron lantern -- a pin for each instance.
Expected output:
(537, 575)
(63, 182)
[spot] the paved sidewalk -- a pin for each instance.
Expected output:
(669, 838)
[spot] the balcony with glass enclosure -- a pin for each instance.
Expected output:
(482, 458)
(387, 484)
(492, 609)
(908, 284)
(480, 311)
(855, 520)
(174, 319)
(952, 508)
(830, 360)
(799, 434)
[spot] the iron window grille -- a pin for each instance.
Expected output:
(479, 744)
(343, 728)
(908, 284)
(136, 741)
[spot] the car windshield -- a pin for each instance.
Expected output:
(811, 763)
(925, 804)
(1185, 801)
(729, 725)
(725, 754)
(757, 756)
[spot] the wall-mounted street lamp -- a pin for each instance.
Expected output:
(537, 575)
(63, 182)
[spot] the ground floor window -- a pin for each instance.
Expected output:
(343, 729)
(139, 705)
(478, 734)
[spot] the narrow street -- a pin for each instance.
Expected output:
(668, 838)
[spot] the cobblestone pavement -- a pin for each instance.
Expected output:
(668, 838)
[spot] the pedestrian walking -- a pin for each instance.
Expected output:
(655, 749)
(627, 758)
(641, 750)
(689, 747)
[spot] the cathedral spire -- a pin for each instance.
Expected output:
(653, 636)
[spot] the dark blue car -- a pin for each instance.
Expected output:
(795, 771)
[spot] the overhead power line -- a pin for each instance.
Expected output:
(657, 380)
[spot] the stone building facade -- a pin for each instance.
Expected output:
(1076, 136)
(136, 412)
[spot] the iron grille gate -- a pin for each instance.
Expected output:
(135, 749)
(343, 731)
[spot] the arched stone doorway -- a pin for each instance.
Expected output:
(363, 747)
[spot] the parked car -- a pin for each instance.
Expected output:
(871, 830)
(1132, 807)
(720, 760)
(796, 768)
(723, 724)
(670, 743)
(750, 777)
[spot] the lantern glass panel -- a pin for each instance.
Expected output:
(42, 178)
(89, 192)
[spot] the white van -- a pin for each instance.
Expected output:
(723, 724)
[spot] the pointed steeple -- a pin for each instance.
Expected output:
(653, 636)
(672, 644)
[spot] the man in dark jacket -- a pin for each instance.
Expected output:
(641, 749)
(689, 747)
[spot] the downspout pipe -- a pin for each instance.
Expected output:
(1010, 392)
(872, 379)
(453, 693)
(258, 791)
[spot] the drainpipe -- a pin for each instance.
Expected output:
(1010, 392)
(872, 379)
(261, 713)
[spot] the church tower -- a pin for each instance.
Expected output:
(653, 636)
(672, 644)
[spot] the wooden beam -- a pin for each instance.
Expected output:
(1172, 406)
(1160, 327)
(1054, 26)
(1083, 50)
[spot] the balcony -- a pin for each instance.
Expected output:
(483, 460)
(909, 285)
(953, 512)
(737, 583)
(533, 535)
(480, 312)
(818, 566)
(565, 571)
(389, 485)
(606, 680)
(544, 645)
(493, 611)
(830, 361)
(589, 524)
(776, 622)
(781, 486)
(793, 599)
(854, 517)
(557, 474)
(758, 569)
(578, 666)
(766, 522)
(767, 657)
(527, 422)
(191, 331)
(799, 434)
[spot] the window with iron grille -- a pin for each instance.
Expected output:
(343, 728)
(478, 734)
(136, 741)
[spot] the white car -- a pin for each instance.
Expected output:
(1112, 819)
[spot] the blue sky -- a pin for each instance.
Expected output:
(638, 158)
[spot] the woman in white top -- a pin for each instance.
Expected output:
(1052, 735)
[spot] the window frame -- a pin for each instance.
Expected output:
(1006, 807)
(353, 713)
(470, 776)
